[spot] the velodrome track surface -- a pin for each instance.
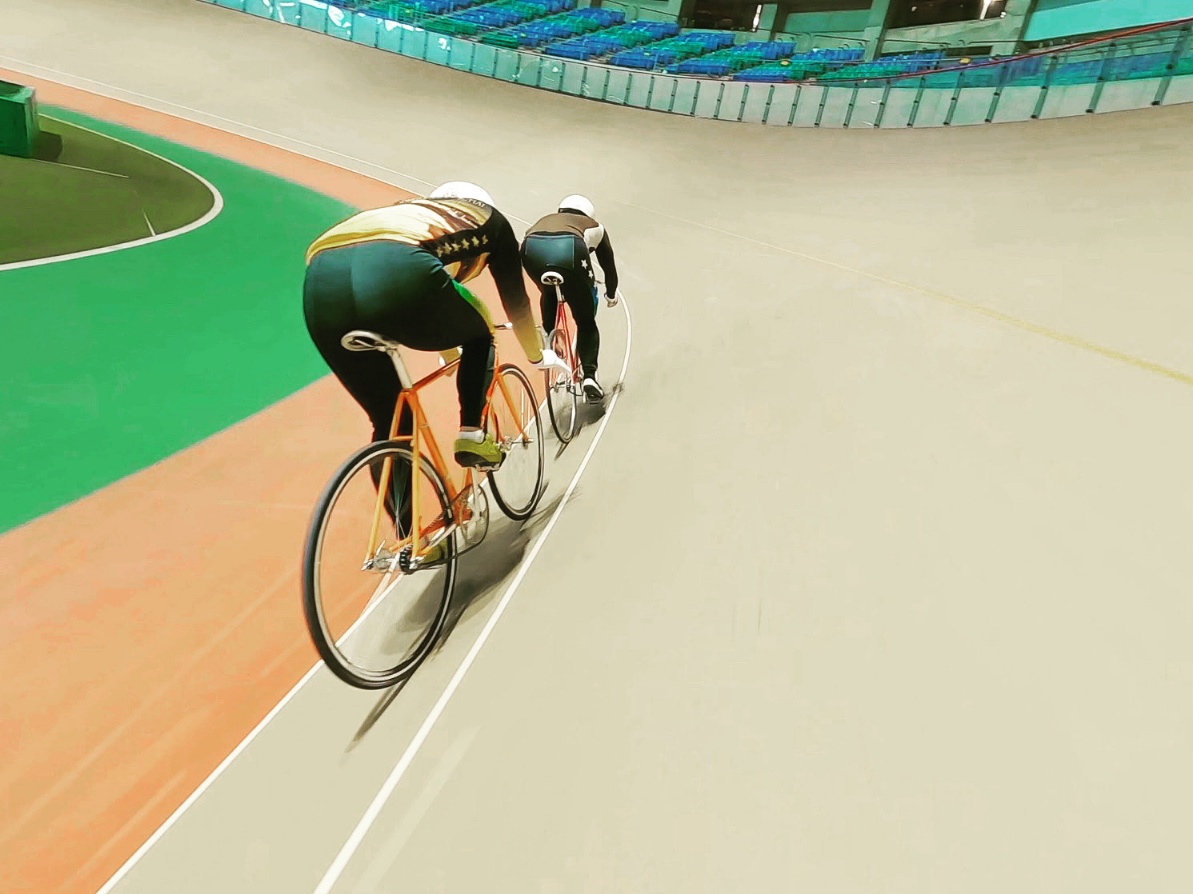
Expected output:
(877, 579)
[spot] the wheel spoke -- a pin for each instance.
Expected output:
(517, 484)
(373, 627)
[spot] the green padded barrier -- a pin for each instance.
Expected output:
(261, 8)
(312, 15)
(339, 23)
(364, 29)
(18, 120)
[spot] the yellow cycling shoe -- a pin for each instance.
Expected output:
(484, 454)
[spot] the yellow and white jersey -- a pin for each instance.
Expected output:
(466, 235)
(462, 233)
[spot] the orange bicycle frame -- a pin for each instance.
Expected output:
(421, 431)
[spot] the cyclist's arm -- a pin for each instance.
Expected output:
(505, 264)
(604, 254)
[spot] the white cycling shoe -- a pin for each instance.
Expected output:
(593, 390)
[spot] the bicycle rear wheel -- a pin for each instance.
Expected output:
(518, 483)
(371, 622)
(563, 389)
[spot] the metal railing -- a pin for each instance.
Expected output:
(1134, 69)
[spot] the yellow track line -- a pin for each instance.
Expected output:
(1025, 325)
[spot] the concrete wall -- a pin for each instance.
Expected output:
(1003, 34)
(796, 26)
(810, 28)
(1063, 18)
(804, 22)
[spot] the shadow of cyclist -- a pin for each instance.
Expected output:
(482, 571)
(485, 570)
(586, 414)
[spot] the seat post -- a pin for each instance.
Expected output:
(552, 278)
(364, 340)
(400, 366)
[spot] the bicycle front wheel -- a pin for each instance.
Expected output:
(515, 424)
(371, 621)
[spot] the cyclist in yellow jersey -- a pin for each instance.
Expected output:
(399, 271)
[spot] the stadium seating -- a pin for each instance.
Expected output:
(558, 28)
(670, 50)
(613, 40)
(554, 28)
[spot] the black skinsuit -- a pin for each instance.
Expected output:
(561, 242)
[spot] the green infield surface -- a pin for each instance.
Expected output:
(98, 192)
(112, 361)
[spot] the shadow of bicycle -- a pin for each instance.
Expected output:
(481, 573)
(376, 713)
(587, 414)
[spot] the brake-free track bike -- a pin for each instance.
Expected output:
(563, 389)
(368, 587)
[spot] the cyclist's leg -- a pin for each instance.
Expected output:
(548, 307)
(477, 358)
(331, 309)
(535, 266)
(542, 252)
(588, 338)
(472, 381)
(435, 313)
(579, 291)
(448, 316)
(408, 296)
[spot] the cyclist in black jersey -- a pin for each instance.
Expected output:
(399, 271)
(562, 242)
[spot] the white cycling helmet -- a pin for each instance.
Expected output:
(578, 203)
(460, 189)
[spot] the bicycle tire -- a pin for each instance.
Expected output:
(317, 626)
(520, 387)
(565, 430)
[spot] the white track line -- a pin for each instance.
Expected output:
(228, 125)
(366, 822)
(62, 164)
(204, 785)
(217, 205)
(437, 779)
(197, 116)
(370, 817)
